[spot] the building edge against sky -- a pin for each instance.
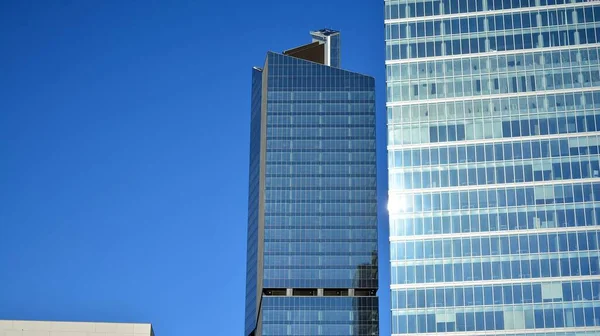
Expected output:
(56, 328)
(312, 205)
(494, 175)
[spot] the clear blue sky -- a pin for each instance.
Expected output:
(124, 152)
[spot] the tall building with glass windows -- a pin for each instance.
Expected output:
(312, 214)
(494, 174)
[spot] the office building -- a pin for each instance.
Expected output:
(494, 177)
(48, 328)
(312, 214)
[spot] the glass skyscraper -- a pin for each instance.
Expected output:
(312, 214)
(494, 170)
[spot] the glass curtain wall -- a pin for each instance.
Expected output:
(493, 110)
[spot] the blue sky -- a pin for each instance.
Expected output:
(124, 153)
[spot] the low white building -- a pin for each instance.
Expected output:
(49, 328)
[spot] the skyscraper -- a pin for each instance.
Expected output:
(312, 214)
(494, 173)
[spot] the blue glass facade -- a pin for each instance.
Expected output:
(494, 167)
(252, 248)
(335, 57)
(312, 237)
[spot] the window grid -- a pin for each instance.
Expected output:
(493, 144)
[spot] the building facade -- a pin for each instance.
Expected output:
(312, 214)
(494, 170)
(51, 328)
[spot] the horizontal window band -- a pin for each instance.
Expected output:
(493, 53)
(321, 240)
(493, 96)
(495, 186)
(321, 150)
(320, 227)
(491, 282)
(320, 292)
(488, 12)
(343, 267)
(324, 138)
(521, 332)
(496, 257)
(321, 254)
(480, 234)
(324, 188)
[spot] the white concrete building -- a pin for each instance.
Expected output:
(49, 328)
